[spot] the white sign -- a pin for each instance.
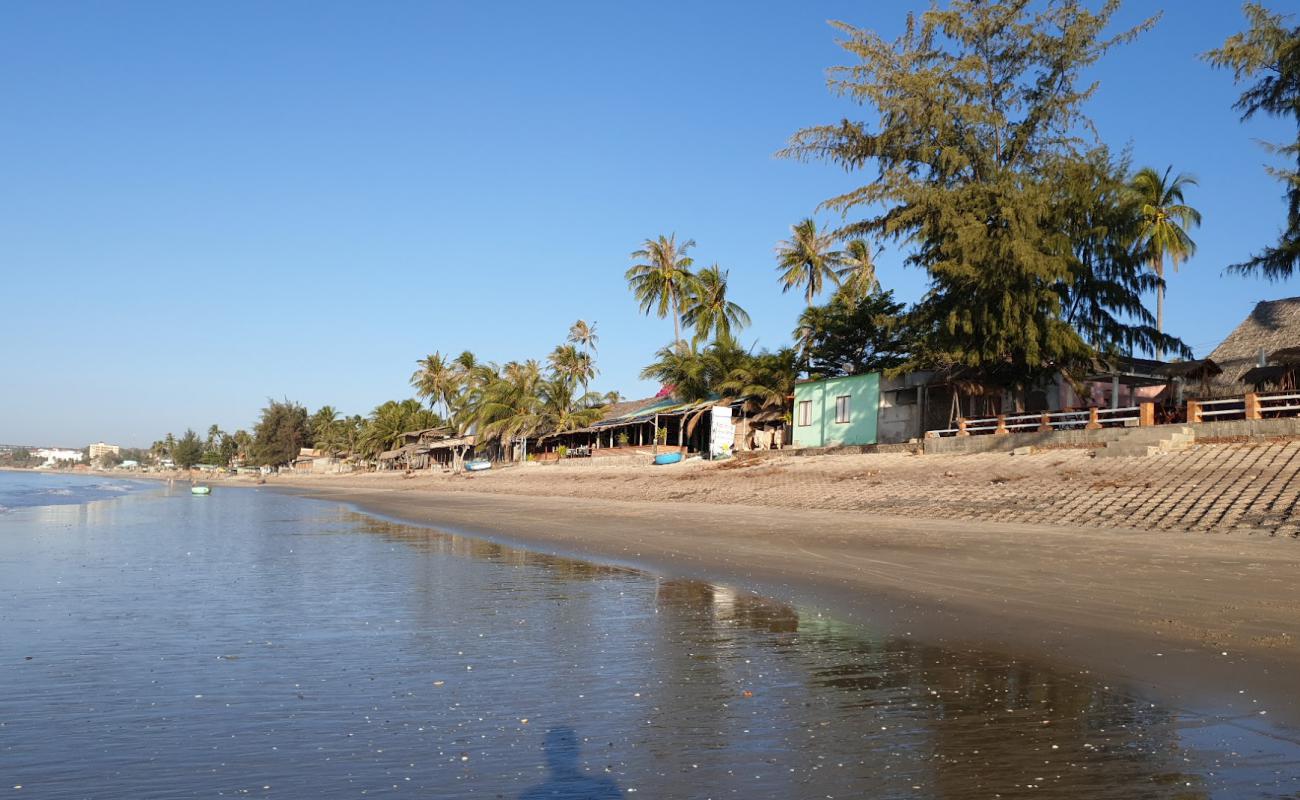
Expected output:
(722, 432)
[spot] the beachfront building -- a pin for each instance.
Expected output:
(432, 448)
(1261, 354)
(663, 424)
(102, 448)
(835, 412)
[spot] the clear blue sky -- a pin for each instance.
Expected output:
(203, 205)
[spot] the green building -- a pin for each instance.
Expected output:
(837, 411)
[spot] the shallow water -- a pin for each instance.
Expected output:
(254, 644)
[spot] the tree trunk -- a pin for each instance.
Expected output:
(677, 322)
(1160, 307)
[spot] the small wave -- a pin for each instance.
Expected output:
(111, 487)
(60, 492)
(4, 509)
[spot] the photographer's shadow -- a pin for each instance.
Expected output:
(567, 781)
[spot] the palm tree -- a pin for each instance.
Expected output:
(321, 423)
(1163, 231)
(663, 278)
(562, 409)
(858, 273)
(765, 380)
(583, 335)
(435, 380)
(806, 259)
(708, 310)
(510, 406)
(573, 365)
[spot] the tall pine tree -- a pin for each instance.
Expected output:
(979, 130)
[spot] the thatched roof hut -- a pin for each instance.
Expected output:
(1274, 325)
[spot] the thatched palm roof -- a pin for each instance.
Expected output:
(1273, 325)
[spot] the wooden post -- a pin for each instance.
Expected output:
(1193, 411)
(1045, 424)
(1002, 426)
(1094, 423)
(1252, 406)
(1146, 414)
(961, 427)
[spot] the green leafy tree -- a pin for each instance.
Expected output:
(1103, 291)
(1163, 230)
(979, 114)
(662, 278)
(808, 260)
(852, 335)
(188, 450)
(707, 309)
(1268, 55)
(280, 434)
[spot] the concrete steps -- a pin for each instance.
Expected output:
(1148, 441)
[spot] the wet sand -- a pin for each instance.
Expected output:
(1205, 621)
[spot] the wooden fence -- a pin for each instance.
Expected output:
(1252, 405)
(1090, 419)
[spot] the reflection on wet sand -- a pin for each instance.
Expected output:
(954, 723)
(251, 640)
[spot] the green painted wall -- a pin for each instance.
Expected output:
(863, 392)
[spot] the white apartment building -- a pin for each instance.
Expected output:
(100, 448)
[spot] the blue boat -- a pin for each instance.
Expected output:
(668, 458)
(478, 465)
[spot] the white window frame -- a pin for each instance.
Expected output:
(847, 416)
(805, 413)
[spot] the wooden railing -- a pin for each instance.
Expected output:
(1090, 419)
(1252, 405)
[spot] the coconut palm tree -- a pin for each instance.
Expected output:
(573, 365)
(807, 260)
(858, 273)
(583, 334)
(708, 310)
(563, 409)
(765, 380)
(510, 406)
(1163, 231)
(435, 380)
(662, 278)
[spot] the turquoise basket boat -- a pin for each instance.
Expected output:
(477, 465)
(668, 458)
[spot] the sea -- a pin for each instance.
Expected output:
(156, 644)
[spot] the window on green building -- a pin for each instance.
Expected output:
(805, 412)
(842, 408)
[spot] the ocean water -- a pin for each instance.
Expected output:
(31, 488)
(251, 644)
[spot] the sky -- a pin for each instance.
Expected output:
(206, 205)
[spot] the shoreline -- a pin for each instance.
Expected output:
(1198, 618)
(1202, 622)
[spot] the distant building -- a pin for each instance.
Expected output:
(53, 455)
(101, 448)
